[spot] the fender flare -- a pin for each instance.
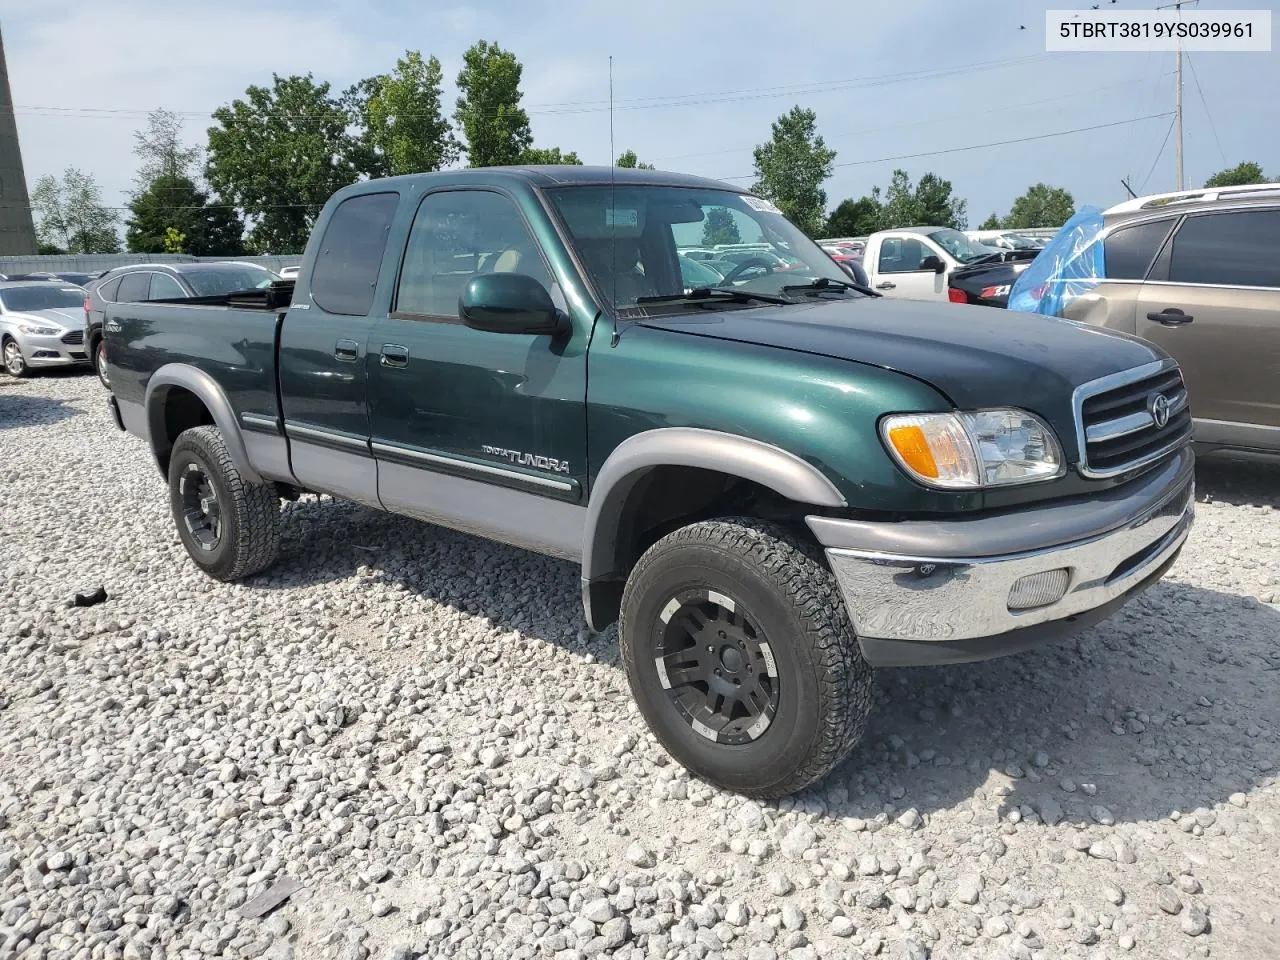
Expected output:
(770, 466)
(215, 400)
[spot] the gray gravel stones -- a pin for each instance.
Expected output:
(415, 725)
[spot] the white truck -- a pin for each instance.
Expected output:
(916, 263)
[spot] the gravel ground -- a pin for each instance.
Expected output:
(415, 726)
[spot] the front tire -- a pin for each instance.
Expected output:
(230, 527)
(15, 364)
(741, 657)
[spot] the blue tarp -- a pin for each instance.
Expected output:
(1070, 265)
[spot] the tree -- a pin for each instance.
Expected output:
(929, 203)
(1041, 206)
(160, 148)
(719, 227)
(278, 155)
(1240, 175)
(540, 155)
(175, 241)
(991, 223)
(176, 203)
(629, 161)
(404, 126)
(854, 218)
(791, 168)
(488, 113)
(70, 215)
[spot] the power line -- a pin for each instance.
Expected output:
(1163, 143)
(981, 146)
(1204, 103)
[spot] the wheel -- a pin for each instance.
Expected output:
(230, 527)
(100, 361)
(742, 658)
(14, 362)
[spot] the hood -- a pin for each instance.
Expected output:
(976, 356)
(72, 318)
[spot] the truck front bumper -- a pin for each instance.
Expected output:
(930, 592)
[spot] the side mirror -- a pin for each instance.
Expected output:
(933, 262)
(509, 303)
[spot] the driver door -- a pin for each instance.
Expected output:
(899, 274)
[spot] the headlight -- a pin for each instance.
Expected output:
(963, 451)
(33, 331)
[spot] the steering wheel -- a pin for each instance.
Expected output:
(741, 268)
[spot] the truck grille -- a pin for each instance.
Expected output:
(1118, 419)
(75, 336)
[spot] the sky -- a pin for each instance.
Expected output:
(696, 86)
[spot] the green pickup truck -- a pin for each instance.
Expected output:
(773, 484)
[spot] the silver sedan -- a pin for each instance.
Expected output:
(41, 325)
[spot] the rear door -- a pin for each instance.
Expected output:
(1212, 300)
(323, 385)
(898, 272)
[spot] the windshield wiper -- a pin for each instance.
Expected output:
(826, 283)
(709, 294)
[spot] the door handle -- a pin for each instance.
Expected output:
(394, 355)
(887, 285)
(1171, 317)
(346, 350)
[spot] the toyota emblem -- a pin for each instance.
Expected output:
(1159, 409)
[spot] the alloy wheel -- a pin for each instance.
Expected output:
(201, 511)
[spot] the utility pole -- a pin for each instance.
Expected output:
(1177, 115)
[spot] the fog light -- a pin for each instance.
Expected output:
(1039, 589)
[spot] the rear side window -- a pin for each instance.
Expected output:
(1228, 248)
(164, 287)
(133, 287)
(1129, 251)
(108, 290)
(346, 269)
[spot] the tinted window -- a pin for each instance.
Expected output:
(133, 287)
(108, 290)
(456, 235)
(164, 287)
(219, 281)
(901, 255)
(52, 297)
(1228, 248)
(1129, 251)
(346, 270)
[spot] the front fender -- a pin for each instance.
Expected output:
(206, 389)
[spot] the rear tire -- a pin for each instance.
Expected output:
(100, 361)
(230, 527)
(742, 658)
(15, 364)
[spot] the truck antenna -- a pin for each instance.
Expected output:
(613, 212)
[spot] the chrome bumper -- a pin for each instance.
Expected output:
(935, 595)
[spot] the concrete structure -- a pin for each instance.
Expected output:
(17, 232)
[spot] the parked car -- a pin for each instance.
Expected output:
(918, 263)
(773, 485)
(161, 281)
(1198, 274)
(986, 283)
(41, 326)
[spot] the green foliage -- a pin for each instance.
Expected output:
(991, 223)
(1041, 206)
(405, 129)
(176, 203)
(719, 227)
(174, 240)
(160, 148)
(791, 168)
(629, 161)
(278, 155)
(48, 250)
(929, 203)
(488, 113)
(534, 156)
(69, 214)
(1242, 174)
(854, 218)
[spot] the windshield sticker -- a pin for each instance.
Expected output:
(615, 217)
(759, 204)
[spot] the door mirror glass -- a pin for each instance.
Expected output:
(508, 303)
(933, 262)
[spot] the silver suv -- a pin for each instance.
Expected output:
(1198, 273)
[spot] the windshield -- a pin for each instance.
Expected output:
(960, 246)
(634, 247)
(50, 297)
(224, 280)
